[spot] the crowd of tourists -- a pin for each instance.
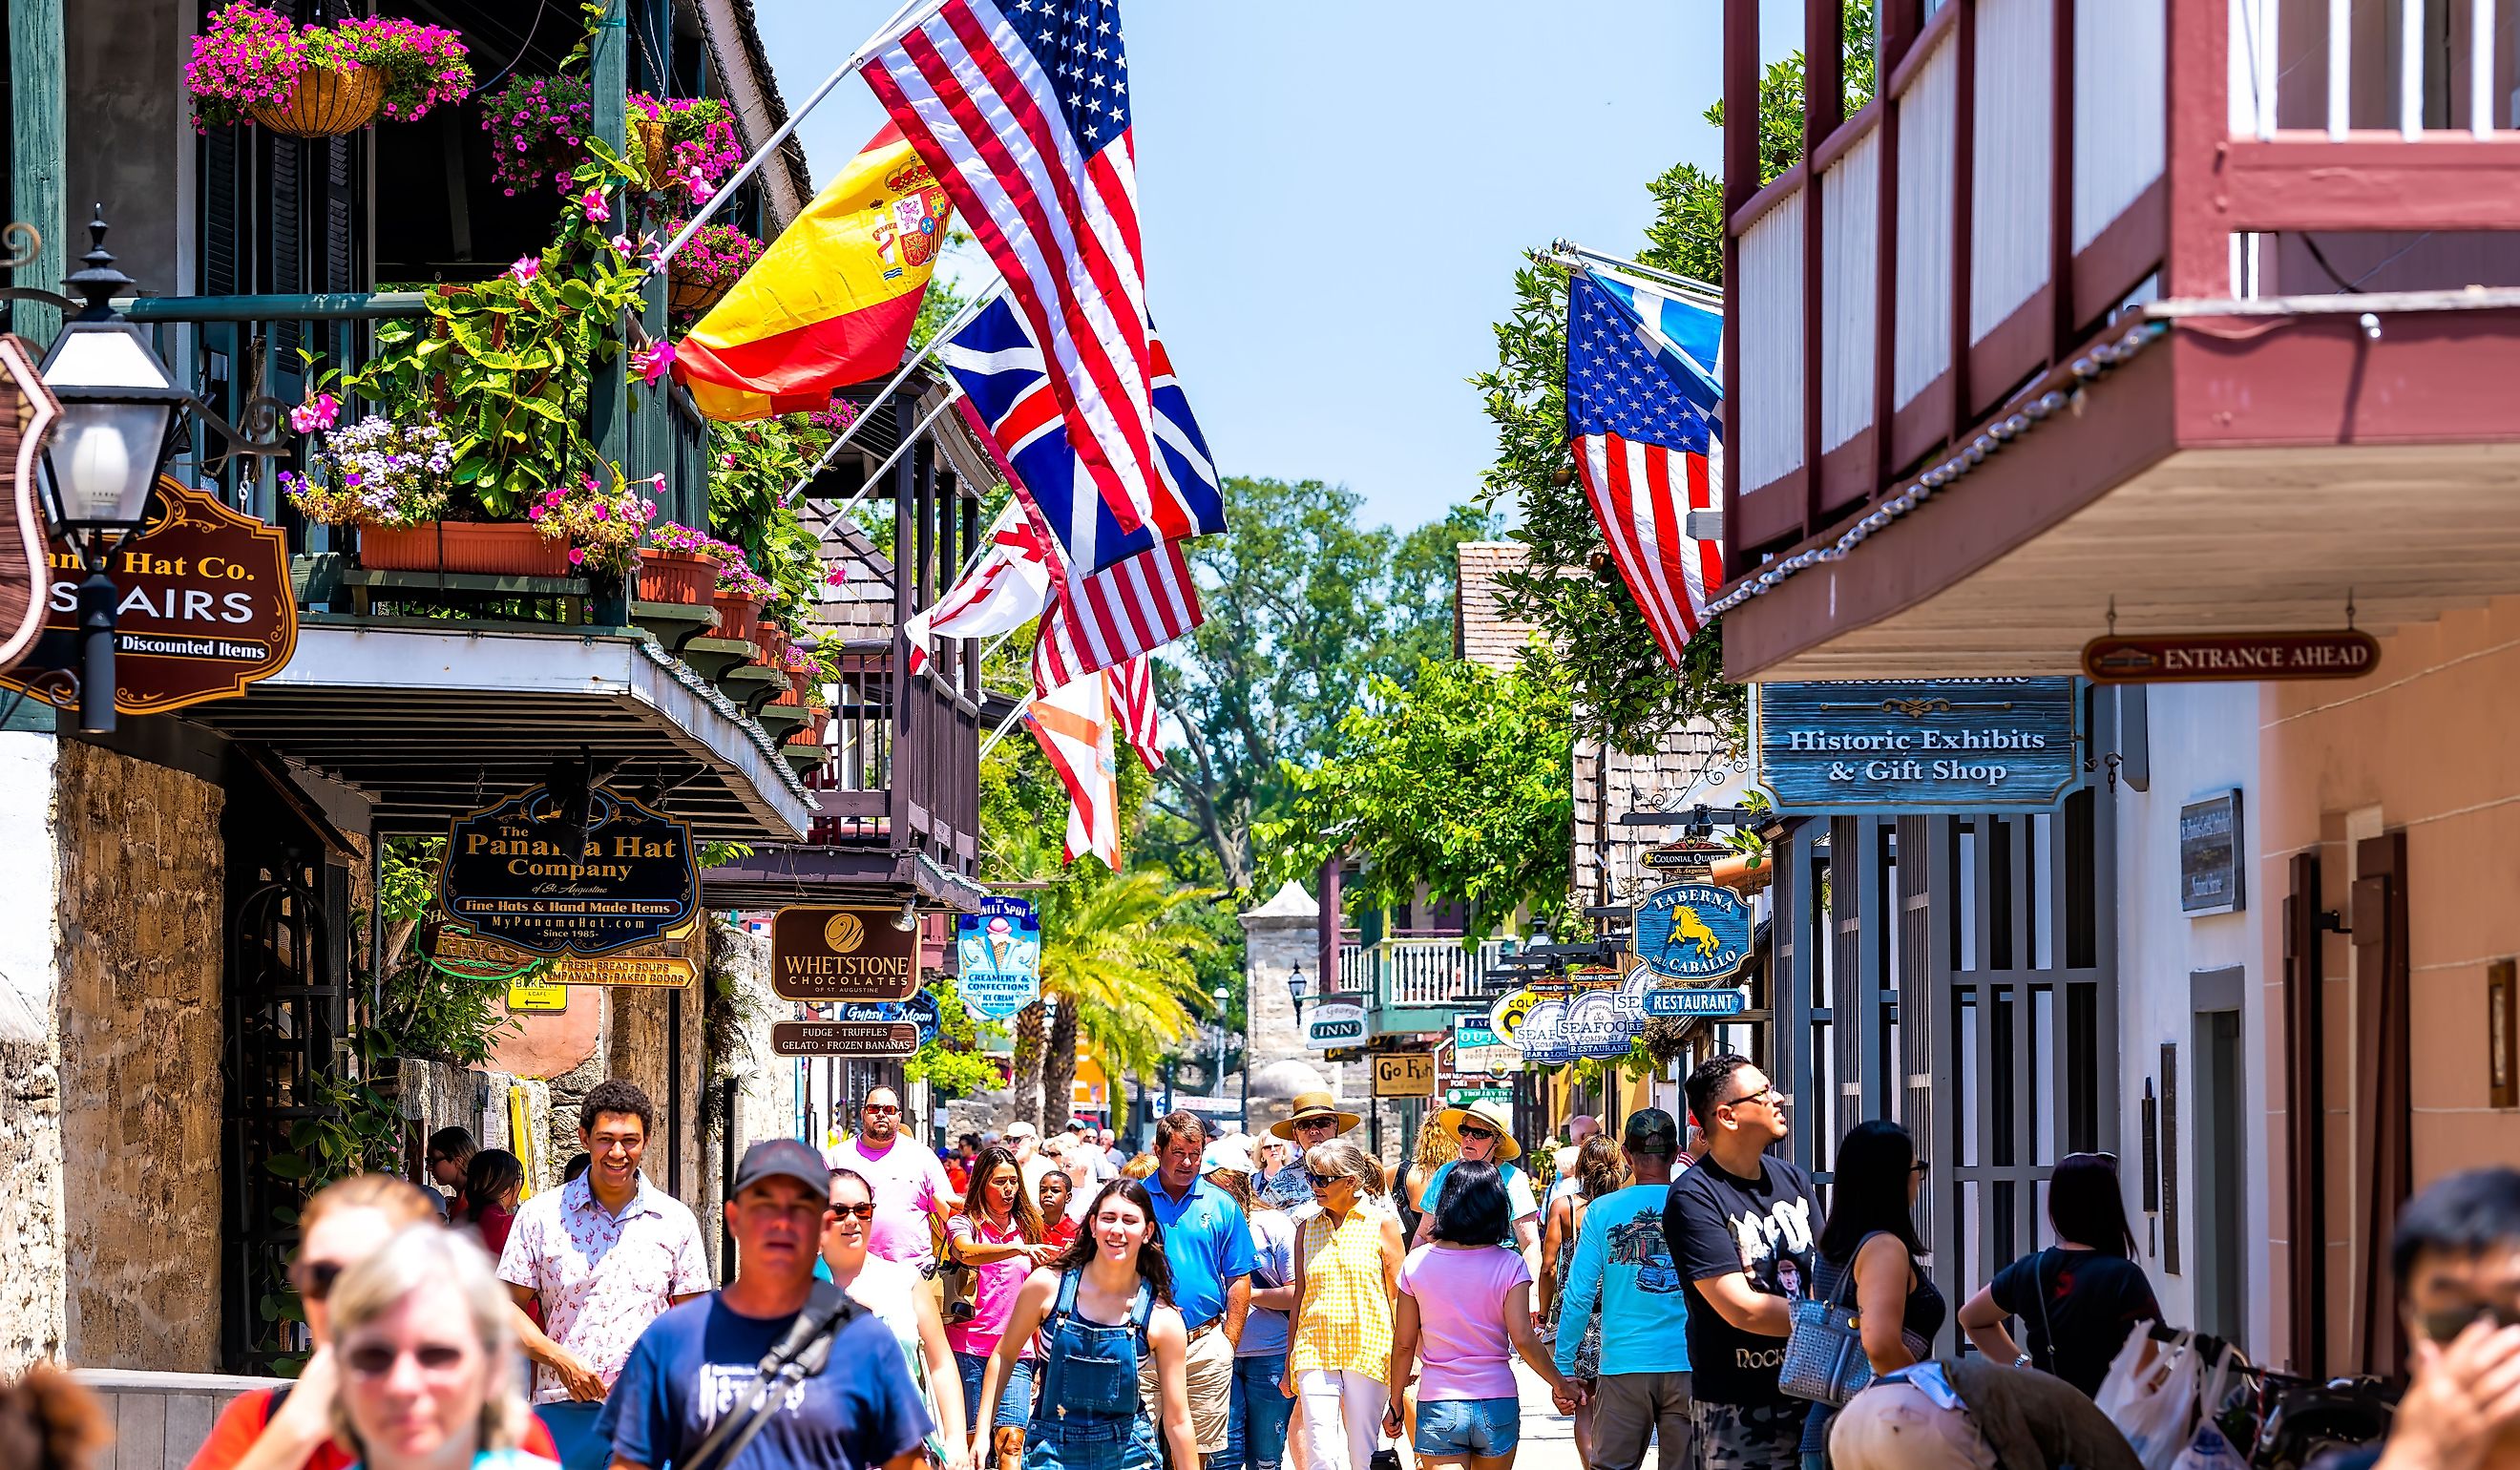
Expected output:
(1021, 1307)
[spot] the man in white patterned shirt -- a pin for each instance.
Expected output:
(604, 1254)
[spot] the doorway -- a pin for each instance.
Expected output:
(2221, 1091)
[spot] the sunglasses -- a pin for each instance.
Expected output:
(1484, 1135)
(1307, 1125)
(1919, 1167)
(1769, 1096)
(880, 1108)
(1322, 1181)
(377, 1359)
(864, 1211)
(315, 1278)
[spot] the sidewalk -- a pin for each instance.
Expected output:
(1548, 1436)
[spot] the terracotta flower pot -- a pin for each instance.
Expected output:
(737, 616)
(686, 577)
(799, 691)
(508, 548)
(770, 644)
(326, 104)
(811, 731)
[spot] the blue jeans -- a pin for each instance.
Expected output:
(1091, 1441)
(1255, 1421)
(572, 1432)
(1468, 1428)
(1014, 1401)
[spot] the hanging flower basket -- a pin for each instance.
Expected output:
(650, 132)
(707, 267)
(666, 576)
(692, 294)
(326, 104)
(506, 547)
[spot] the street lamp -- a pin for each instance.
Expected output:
(1298, 990)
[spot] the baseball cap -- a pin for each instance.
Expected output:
(1651, 1130)
(783, 1158)
(1232, 1155)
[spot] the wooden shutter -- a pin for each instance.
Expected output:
(2306, 1113)
(2383, 1137)
(285, 238)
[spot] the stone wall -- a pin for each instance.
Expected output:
(740, 1008)
(141, 889)
(32, 1303)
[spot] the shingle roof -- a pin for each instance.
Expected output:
(1482, 634)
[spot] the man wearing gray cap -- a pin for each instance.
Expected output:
(699, 1364)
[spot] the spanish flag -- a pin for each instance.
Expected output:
(832, 301)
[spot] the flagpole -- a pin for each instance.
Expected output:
(751, 165)
(999, 732)
(849, 431)
(1567, 252)
(875, 476)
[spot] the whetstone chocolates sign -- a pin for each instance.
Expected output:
(819, 953)
(522, 873)
(1918, 744)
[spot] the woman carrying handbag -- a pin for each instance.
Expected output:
(1867, 1263)
(2080, 1299)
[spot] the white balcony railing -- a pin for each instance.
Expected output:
(1433, 971)
(1354, 979)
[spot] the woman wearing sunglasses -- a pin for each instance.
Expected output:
(291, 1427)
(1485, 1137)
(1347, 1275)
(2079, 1298)
(898, 1296)
(1000, 1236)
(429, 1359)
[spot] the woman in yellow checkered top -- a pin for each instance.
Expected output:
(1347, 1274)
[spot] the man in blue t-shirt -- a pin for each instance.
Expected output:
(1623, 1269)
(699, 1364)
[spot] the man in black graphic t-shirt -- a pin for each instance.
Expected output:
(1743, 1230)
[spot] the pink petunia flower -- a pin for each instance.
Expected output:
(578, 555)
(652, 363)
(597, 211)
(526, 267)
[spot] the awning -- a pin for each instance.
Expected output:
(776, 877)
(434, 724)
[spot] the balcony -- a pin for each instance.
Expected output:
(1416, 981)
(2142, 310)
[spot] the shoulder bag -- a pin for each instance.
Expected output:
(1824, 1359)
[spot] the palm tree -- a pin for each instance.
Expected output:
(1117, 957)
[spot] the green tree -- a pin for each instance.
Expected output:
(1571, 589)
(1119, 955)
(1460, 781)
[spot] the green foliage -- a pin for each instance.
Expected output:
(952, 1063)
(1304, 605)
(753, 466)
(1122, 950)
(1462, 781)
(1572, 591)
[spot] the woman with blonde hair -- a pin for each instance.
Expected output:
(429, 1359)
(1347, 1275)
(1436, 1148)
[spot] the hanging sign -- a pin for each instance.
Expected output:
(892, 1038)
(1918, 744)
(1334, 1023)
(1718, 1000)
(1691, 932)
(528, 996)
(524, 875)
(1596, 1028)
(672, 960)
(819, 953)
(2209, 856)
(1685, 855)
(1505, 1017)
(27, 412)
(998, 957)
(203, 609)
(1464, 1096)
(1404, 1074)
(1543, 1033)
(2214, 657)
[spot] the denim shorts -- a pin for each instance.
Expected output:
(1091, 1441)
(1451, 1428)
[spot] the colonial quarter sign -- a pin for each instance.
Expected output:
(819, 953)
(26, 415)
(527, 873)
(205, 609)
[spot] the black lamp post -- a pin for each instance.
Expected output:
(1298, 990)
(119, 410)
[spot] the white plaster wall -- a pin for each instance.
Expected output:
(34, 1271)
(28, 907)
(2204, 740)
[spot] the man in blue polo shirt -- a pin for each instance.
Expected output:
(1208, 1243)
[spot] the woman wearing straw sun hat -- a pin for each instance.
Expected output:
(1486, 1136)
(1313, 1118)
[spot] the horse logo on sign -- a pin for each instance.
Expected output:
(1695, 932)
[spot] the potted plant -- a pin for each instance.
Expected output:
(537, 128)
(393, 482)
(740, 591)
(804, 678)
(678, 564)
(708, 266)
(685, 145)
(320, 81)
(597, 525)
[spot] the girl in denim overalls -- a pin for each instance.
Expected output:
(1103, 1310)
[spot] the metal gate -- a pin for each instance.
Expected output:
(1957, 974)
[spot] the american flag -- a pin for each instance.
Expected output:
(1022, 109)
(1008, 388)
(1133, 699)
(1105, 619)
(1642, 432)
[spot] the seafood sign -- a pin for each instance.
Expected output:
(998, 952)
(1695, 933)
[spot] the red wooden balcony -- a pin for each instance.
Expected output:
(2158, 301)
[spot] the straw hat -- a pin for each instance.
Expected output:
(1312, 1106)
(1450, 1120)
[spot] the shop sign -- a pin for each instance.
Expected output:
(1507, 1015)
(1683, 857)
(894, 1038)
(1695, 932)
(525, 875)
(673, 960)
(205, 609)
(1726, 1001)
(819, 954)
(1465, 1096)
(27, 412)
(1918, 744)
(1473, 1032)
(1404, 1074)
(1594, 1026)
(2209, 855)
(2217, 657)
(1543, 1033)
(1334, 1023)
(530, 995)
(997, 954)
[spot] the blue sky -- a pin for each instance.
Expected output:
(1336, 196)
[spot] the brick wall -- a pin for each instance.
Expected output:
(141, 880)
